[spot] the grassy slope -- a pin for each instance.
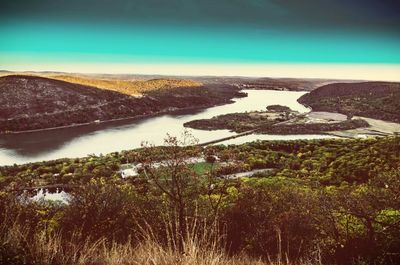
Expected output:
(378, 100)
(129, 87)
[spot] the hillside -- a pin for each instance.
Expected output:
(340, 197)
(29, 102)
(378, 100)
(129, 87)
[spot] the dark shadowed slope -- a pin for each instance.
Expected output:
(378, 100)
(29, 102)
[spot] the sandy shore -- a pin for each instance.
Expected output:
(377, 128)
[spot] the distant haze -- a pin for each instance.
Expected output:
(377, 72)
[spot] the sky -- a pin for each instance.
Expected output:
(191, 36)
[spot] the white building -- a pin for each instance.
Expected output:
(128, 170)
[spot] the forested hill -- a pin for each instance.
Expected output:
(378, 100)
(31, 102)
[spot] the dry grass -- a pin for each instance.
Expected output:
(129, 87)
(203, 243)
(47, 249)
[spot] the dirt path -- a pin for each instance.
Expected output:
(247, 173)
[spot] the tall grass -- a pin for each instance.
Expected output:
(201, 245)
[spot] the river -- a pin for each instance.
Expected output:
(129, 134)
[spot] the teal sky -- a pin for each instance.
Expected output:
(191, 31)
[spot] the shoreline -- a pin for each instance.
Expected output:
(142, 116)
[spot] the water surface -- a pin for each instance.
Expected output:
(123, 135)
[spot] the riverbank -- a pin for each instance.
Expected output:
(138, 117)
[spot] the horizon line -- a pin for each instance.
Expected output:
(338, 71)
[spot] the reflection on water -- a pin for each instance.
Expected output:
(123, 135)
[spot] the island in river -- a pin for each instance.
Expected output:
(277, 120)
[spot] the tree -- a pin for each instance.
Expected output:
(174, 178)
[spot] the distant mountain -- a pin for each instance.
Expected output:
(31, 102)
(290, 84)
(379, 100)
(134, 84)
